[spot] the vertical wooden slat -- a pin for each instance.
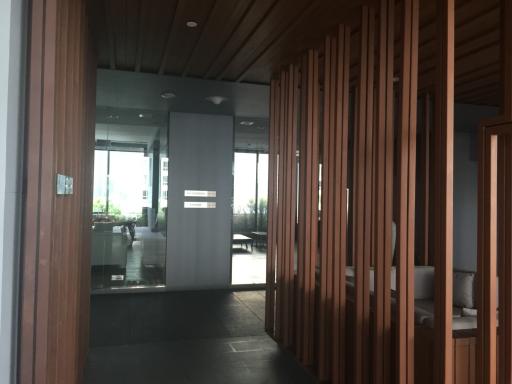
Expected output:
(286, 206)
(504, 257)
(272, 209)
(424, 167)
(302, 238)
(443, 199)
(308, 208)
(487, 258)
(314, 159)
(291, 201)
(362, 197)
(324, 312)
(383, 213)
(406, 193)
(505, 281)
(280, 288)
(340, 129)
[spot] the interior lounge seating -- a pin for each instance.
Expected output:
(464, 302)
(109, 246)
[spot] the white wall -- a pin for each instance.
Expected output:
(12, 34)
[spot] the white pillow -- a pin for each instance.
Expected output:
(463, 289)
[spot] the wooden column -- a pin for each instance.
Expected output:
(406, 193)
(443, 198)
(272, 207)
(308, 207)
(383, 214)
(363, 154)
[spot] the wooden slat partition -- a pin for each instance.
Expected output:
(443, 197)
(56, 232)
(308, 207)
(383, 213)
(406, 193)
(362, 221)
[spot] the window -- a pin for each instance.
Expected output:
(165, 181)
(164, 195)
(144, 195)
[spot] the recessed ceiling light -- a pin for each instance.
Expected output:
(113, 117)
(167, 95)
(141, 115)
(247, 123)
(191, 24)
(217, 100)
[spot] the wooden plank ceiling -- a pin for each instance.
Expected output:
(248, 40)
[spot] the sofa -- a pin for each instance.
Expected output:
(109, 246)
(464, 298)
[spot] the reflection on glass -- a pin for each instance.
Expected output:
(249, 218)
(129, 206)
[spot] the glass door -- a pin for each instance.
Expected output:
(249, 243)
(129, 227)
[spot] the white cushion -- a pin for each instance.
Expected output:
(463, 289)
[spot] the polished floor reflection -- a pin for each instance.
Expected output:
(188, 337)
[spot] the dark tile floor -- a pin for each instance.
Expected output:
(189, 337)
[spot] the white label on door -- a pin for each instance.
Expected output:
(192, 193)
(200, 204)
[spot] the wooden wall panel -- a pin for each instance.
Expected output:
(56, 232)
(362, 221)
(383, 212)
(406, 193)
